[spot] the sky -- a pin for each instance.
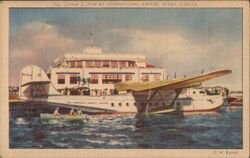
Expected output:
(184, 41)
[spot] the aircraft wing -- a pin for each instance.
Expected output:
(35, 83)
(183, 82)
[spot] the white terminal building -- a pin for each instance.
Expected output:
(97, 70)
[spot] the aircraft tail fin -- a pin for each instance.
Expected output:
(34, 83)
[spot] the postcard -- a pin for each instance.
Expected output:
(124, 79)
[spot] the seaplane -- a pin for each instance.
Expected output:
(175, 96)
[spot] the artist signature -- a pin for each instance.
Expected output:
(227, 152)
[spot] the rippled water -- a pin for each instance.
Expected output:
(216, 130)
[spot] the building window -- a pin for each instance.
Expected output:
(111, 78)
(194, 92)
(119, 78)
(122, 63)
(61, 79)
(112, 104)
(157, 77)
(120, 104)
(128, 77)
(73, 79)
(79, 64)
(131, 64)
(72, 64)
(94, 79)
(89, 64)
(114, 63)
(97, 64)
(163, 103)
(127, 104)
(134, 104)
(105, 63)
(145, 78)
(156, 104)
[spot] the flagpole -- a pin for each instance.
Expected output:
(91, 39)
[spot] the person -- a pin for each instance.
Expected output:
(56, 112)
(79, 112)
(72, 112)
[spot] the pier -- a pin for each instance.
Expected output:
(24, 108)
(19, 108)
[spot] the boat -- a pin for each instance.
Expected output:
(99, 82)
(235, 98)
(63, 117)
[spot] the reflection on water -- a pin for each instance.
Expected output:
(218, 130)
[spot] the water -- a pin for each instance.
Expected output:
(204, 131)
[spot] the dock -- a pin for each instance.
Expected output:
(19, 108)
(24, 108)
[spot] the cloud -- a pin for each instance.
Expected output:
(38, 26)
(175, 49)
(24, 55)
(47, 36)
(179, 53)
(42, 36)
(20, 59)
(171, 46)
(38, 43)
(151, 39)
